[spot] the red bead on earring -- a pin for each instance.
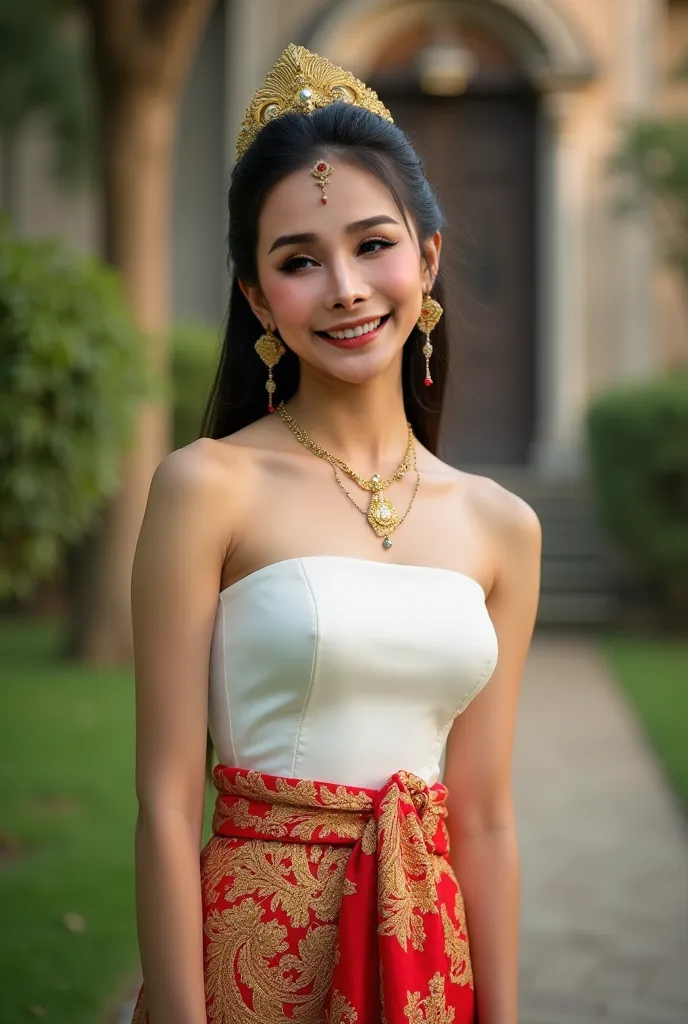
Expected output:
(430, 315)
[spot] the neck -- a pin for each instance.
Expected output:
(362, 424)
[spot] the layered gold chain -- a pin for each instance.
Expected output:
(381, 513)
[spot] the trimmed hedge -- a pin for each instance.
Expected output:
(195, 351)
(72, 373)
(638, 452)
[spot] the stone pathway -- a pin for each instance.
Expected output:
(604, 852)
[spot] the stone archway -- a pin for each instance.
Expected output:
(549, 46)
(555, 60)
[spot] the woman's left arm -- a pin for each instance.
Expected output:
(484, 850)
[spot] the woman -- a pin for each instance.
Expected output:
(365, 588)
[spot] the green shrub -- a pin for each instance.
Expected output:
(71, 376)
(195, 349)
(638, 449)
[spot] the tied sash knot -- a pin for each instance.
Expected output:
(401, 953)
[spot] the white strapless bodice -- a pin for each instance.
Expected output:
(344, 670)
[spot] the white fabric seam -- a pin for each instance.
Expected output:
(316, 647)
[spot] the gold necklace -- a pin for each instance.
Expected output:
(381, 513)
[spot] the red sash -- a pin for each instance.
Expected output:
(328, 904)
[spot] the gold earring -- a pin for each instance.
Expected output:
(430, 315)
(270, 349)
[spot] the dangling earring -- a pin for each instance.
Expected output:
(270, 349)
(430, 315)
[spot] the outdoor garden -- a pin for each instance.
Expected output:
(85, 366)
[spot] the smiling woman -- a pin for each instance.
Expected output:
(373, 168)
(343, 878)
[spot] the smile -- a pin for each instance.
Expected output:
(353, 337)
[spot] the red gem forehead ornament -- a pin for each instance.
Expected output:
(321, 172)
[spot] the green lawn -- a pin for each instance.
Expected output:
(68, 811)
(654, 674)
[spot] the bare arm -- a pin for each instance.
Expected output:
(174, 597)
(484, 850)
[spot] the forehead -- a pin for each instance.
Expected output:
(294, 205)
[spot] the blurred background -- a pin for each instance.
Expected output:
(556, 135)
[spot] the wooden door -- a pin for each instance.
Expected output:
(479, 154)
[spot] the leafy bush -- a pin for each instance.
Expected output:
(195, 349)
(71, 376)
(638, 448)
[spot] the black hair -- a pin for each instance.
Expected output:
(288, 143)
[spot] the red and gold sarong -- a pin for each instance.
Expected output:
(328, 904)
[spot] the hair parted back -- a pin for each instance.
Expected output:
(285, 145)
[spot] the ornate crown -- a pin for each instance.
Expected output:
(301, 82)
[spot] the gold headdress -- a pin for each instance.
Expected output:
(301, 82)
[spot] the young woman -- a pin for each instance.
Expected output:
(331, 600)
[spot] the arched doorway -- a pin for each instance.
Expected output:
(479, 150)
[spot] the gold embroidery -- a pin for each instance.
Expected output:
(259, 970)
(341, 1011)
(456, 944)
(431, 1010)
(242, 948)
(369, 839)
(214, 866)
(280, 876)
(289, 809)
(296, 793)
(406, 886)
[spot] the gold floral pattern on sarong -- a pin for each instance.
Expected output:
(431, 1010)
(327, 904)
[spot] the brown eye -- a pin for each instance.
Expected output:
(375, 245)
(295, 263)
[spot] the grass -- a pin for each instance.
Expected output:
(654, 674)
(67, 794)
(66, 831)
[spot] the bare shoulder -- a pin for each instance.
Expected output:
(203, 471)
(510, 526)
(515, 535)
(505, 512)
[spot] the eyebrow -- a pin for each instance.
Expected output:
(351, 229)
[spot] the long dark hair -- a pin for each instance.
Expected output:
(290, 142)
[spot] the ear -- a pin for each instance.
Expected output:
(259, 306)
(431, 259)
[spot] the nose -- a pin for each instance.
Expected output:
(347, 287)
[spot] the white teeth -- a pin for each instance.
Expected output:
(355, 332)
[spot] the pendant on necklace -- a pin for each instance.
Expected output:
(382, 516)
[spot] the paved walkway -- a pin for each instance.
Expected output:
(604, 852)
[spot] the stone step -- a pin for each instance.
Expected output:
(577, 575)
(577, 609)
(581, 568)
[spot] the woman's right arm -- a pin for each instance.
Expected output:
(175, 583)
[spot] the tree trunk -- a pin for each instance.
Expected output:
(139, 74)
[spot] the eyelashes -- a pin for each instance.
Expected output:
(296, 263)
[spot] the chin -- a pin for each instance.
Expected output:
(361, 369)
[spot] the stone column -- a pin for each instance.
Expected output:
(249, 43)
(562, 384)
